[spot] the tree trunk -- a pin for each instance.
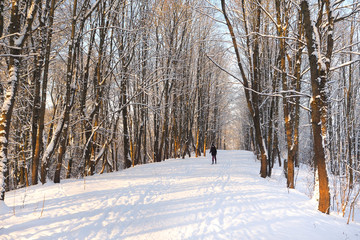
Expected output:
(126, 142)
(39, 134)
(318, 109)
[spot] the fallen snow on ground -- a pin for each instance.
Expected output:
(176, 199)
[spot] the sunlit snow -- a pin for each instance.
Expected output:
(175, 199)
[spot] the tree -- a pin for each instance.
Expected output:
(251, 91)
(291, 105)
(39, 111)
(318, 70)
(19, 30)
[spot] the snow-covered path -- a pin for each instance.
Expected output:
(175, 199)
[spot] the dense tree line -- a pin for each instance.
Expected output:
(299, 67)
(93, 86)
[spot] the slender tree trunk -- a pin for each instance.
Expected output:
(1, 17)
(126, 142)
(124, 85)
(350, 112)
(86, 120)
(69, 168)
(39, 134)
(287, 107)
(24, 181)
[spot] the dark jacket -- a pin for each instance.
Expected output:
(213, 150)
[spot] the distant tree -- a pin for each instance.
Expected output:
(252, 85)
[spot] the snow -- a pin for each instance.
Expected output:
(317, 48)
(176, 199)
(3, 140)
(316, 195)
(19, 40)
(11, 89)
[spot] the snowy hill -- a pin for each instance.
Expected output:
(175, 199)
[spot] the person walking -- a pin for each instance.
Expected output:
(213, 153)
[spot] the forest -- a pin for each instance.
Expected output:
(94, 86)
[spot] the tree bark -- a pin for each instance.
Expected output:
(318, 108)
(39, 133)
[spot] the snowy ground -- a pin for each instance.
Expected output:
(175, 199)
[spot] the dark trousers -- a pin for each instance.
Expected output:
(213, 158)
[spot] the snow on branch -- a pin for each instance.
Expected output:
(349, 52)
(20, 41)
(344, 64)
(269, 15)
(348, 46)
(275, 37)
(223, 69)
(274, 94)
(356, 9)
(91, 9)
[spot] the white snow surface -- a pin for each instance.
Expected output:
(176, 199)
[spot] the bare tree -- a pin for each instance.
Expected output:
(19, 31)
(251, 91)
